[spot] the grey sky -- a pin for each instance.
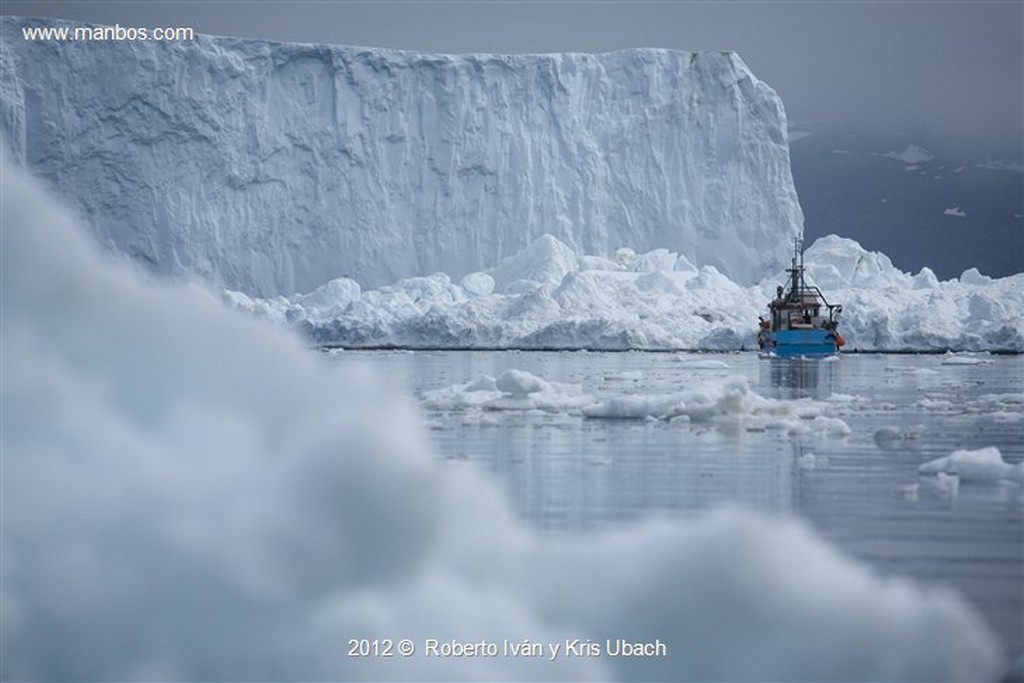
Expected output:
(956, 67)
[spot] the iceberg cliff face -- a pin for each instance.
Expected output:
(272, 168)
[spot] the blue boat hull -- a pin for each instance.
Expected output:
(788, 343)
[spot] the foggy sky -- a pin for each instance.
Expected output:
(956, 68)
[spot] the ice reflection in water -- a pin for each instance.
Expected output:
(567, 474)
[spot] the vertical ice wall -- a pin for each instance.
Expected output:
(272, 168)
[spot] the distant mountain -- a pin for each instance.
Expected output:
(912, 195)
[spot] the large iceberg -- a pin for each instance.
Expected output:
(190, 495)
(272, 168)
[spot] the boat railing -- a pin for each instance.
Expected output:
(798, 292)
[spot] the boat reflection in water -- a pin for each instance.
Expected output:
(794, 378)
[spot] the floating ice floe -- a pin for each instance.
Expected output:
(940, 487)
(911, 154)
(964, 359)
(985, 465)
(513, 390)
(1007, 407)
(936, 404)
(913, 370)
(727, 403)
(887, 436)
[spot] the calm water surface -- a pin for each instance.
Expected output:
(567, 474)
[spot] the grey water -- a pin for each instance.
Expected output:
(568, 475)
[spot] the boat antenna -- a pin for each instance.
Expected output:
(800, 250)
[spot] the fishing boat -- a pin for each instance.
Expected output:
(800, 321)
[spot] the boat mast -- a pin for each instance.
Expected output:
(796, 271)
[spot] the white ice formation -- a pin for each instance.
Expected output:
(464, 201)
(984, 465)
(912, 154)
(728, 404)
(549, 297)
(271, 168)
(191, 495)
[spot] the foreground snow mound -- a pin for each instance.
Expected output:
(271, 168)
(189, 495)
(548, 297)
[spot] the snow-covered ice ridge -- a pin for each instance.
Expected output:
(549, 297)
(271, 168)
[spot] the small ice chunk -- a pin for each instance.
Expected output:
(625, 256)
(832, 426)
(984, 465)
(478, 284)
(963, 359)
(943, 486)
(546, 260)
(332, 296)
(238, 300)
(934, 404)
(926, 279)
(519, 383)
(657, 259)
(886, 435)
(807, 461)
(972, 276)
(483, 383)
(636, 407)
